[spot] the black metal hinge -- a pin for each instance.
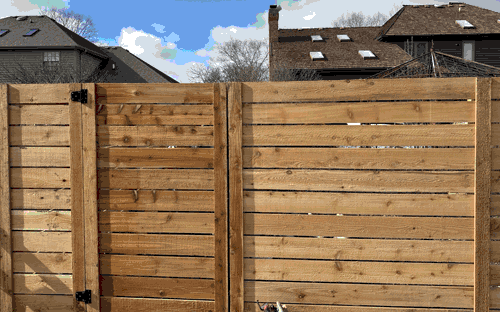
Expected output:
(84, 296)
(79, 96)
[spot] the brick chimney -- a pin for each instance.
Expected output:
(274, 16)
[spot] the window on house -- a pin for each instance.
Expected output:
(50, 59)
(31, 32)
(3, 32)
(468, 50)
(420, 48)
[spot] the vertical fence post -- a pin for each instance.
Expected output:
(220, 204)
(236, 299)
(482, 189)
(6, 296)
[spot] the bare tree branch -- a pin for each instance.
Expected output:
(77, 23)
(360, 20)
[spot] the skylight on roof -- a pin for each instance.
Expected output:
(316, 38)
(316, 55)
(343, 38)
(3, 32)
(31, 32)
(464, 24)
(366, 54)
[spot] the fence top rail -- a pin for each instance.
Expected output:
(360, 90)
(40, 93)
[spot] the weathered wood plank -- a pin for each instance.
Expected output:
(235, 197)
(40, 157)
(359, 90)
(128, 286)
(118, 157)
(495, 181)
(119, 304)
(185, 245)
(157, 222)
(360, 272)
(35, 303)
(359, 249)
(359, 158)
(200, 267)
(39, 135)
(29, 220)
(39, 93)
(360, 203)
(41, 241)
(362, 294)
(39, 114)
(495, 88)
(155, 135)
(27, 262)
(118, 93)
(40, 177)
(495, 205)
(55, 199)
(362, 112)
(363, 135)
(157, 178)
(348, 180)
(43, 284)
(155, 114)
(157, 200)
(220, 204)
(253, 307)
(359, 226)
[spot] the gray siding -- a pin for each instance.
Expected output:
(89, 64)
(488, 52)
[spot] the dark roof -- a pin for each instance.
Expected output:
(295, 45)
(420, 20)
(129, 67)
(51, 35)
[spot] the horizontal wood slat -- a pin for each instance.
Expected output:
(360, 272)
(119, 304)
(359, 158)
(154, 114)
(116, 157)
(156, 178)
(360, 203)
(358, 226)
(364, 135)
(157, 200)
(181, 245)
(157, 266)
(360, 90)
(495, 181)
(35, 303)
(43, 284)
(358, 249)
(155, 135)
(41, 241)
(41, 220)
(39, 135)
(40, 177)
(25, 262)
(128, 286)
(40, 156)
(495, 88)
(157, 222)
(39, 114)
(346, 180)
(253, 307)
(362, 112)
(495, 205)
(56, 199)
(123, 93)
(39, 93)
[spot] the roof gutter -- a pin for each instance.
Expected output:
(102, 56)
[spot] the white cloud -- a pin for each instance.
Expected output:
(173, 37)
(159, 28)
(310, 17)
(202, 53)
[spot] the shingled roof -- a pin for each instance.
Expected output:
(418, 20)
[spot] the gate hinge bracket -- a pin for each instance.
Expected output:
(79, 96)
(84, 296)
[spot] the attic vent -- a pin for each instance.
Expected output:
(3, 32)
(31, 32)
(343, 38)
(316, 55)
(21, 18)
(464, 24)
(366, 54)
(317, 38)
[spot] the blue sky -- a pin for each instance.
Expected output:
(172, 35)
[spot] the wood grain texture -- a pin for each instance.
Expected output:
(40, 177)
(155, 135)
(155, 244)
(27, 262)
(39, 135)
(126, 93)
(43, 284)
(35, 303)
(236, 183)
(119, 304)
(359, 90)
(119, 157)
(362, 135)
(40, 157)
(6, 264)
(41, 241)
(482, 189)
(39, 114)
(366, 181)
(29, 220)
(362, 112)
(55, 199)
(39, 93)
(155, 114)
(252, 307)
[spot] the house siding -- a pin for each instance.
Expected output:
(89, 64)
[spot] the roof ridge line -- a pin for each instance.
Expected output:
(397, 15)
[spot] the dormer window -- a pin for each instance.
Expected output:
(3, 32)
(316, 55)
(31, 32)
(316, 38)
(464, 24)
(366, 54)
(343, 38)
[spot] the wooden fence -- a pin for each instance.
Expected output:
(209, 197)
